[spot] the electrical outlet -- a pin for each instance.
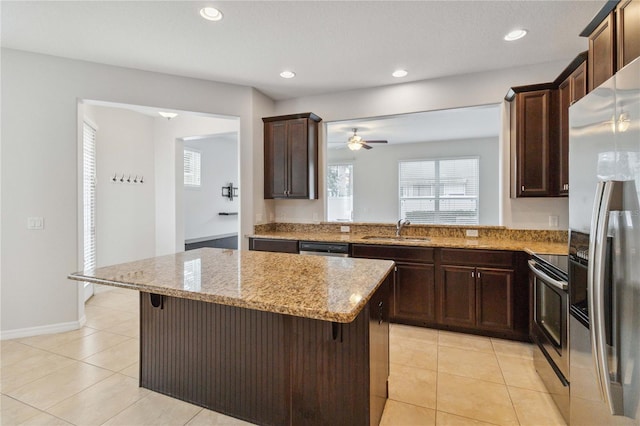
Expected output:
(345, 229)
(316, 217)
(471, 233)
(553, 221)
(258, 217)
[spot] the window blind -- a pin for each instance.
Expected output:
(441, 191)
(89, 195)
(191, 167)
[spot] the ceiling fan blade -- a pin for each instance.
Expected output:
(368, 141)
(365, 146)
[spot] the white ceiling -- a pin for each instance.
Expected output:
(331, 45)
(442, 125)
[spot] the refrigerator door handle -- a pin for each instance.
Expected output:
(611, 200)
(591, 274)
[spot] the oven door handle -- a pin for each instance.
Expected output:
(562, 285)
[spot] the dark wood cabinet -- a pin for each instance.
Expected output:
(484, 292)
(458, 296)
(414, 280)
(291, 156)
(494, 298)
(273, 244)
(627, 31)
(533, 138)
(571, 88)
(414, 292)
(602, 52)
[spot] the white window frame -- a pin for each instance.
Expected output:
(351, 186)
(436, 193)
(196, 159)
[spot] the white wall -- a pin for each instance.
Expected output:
(376, 175)
(447, 92)
(202, 205)
(40, 170)
(125, 212)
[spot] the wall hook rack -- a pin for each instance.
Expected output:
(127, 178)
(229, 191)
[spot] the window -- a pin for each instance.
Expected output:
(340, 192)
(89, 195)
(443, 191)
(191, 167)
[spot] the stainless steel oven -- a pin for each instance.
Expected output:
(550, 328)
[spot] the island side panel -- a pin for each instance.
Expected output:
(231, 360)
(340, 371)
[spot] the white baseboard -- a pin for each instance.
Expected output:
(43, 329)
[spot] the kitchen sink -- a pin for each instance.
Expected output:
(409, 239)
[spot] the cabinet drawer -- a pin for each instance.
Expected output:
(477, 257)
(267, 244)
(396, 253)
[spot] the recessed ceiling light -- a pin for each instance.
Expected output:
(287, 74)
(400, 73)
(515, 35)
(168, 115)
(211, 13)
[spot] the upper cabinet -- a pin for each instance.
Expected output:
(602, 49)
(628, 31)
(533, 138)
(291, 156)
(572, 85)
(614, 39)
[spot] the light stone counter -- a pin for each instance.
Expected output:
(323, 288)
(494, 243)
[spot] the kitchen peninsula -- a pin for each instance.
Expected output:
(270, 338)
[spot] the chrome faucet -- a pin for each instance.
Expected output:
(401, 224)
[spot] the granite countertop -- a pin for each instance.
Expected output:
(529, 246)
(323, 288)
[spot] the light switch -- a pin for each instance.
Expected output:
(35, 223)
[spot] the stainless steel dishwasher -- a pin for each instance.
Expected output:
(324, 249)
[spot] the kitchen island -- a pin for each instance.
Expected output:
(270, 338)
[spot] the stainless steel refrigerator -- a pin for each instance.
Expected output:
(604, 325)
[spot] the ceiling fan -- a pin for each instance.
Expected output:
(356, 142)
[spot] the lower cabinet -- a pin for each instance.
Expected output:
(414, 292)
(457, 296)
(414, 296)
(476, 297)
(494, 299)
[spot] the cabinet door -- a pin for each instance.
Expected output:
(579, 83)
(601, 53)
(564, 101)
(275, 159)
(298, 161)
(494, 298)
(457, 296)
(414, 293)
(628, 31)
(532, 143)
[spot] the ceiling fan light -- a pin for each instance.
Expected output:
(354, 146)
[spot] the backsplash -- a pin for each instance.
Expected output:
(450, 231)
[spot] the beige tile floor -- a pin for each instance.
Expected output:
(90, 377)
